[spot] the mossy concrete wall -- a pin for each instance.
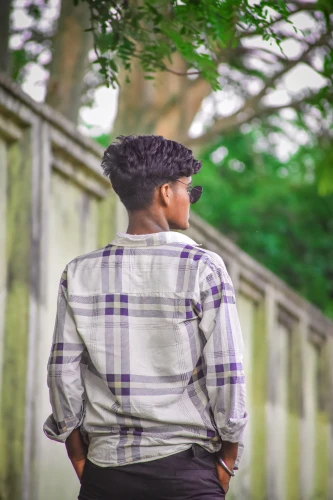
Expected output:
(54, 205)
(16, 314)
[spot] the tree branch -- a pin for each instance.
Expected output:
(252, 106)
(304, 6)
(179, 73)
(289, 64)
(299, 7)
(237, 119)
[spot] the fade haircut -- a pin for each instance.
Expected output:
(137, 164)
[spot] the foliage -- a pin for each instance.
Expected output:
(272, 210)
(103, 140)
(222, 31)
(32, 42)
(269, 207)
(152, 31)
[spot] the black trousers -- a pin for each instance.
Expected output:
(188, 475)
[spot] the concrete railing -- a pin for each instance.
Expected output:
(54, 205)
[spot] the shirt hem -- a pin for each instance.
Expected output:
(146, 459)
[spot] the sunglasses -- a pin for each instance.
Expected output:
(194, 192)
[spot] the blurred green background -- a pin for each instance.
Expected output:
(248, 86)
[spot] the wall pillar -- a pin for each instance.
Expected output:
(277, 342)
(258, 406)
(307, 425)
(3, 230)
(241, 484)
(20, 261)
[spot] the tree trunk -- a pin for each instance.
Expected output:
(164, 106)
(70, 49)
(5, 9)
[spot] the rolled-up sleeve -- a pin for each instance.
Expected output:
(223, 352)
(64, 377)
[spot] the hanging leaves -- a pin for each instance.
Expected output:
(152, 31)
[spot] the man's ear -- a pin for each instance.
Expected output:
(165, 192)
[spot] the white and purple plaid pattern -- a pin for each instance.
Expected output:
(147, 351)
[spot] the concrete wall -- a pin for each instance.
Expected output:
(54, 205)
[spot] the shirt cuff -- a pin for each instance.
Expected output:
(239, 454)
(234, 429)
(233, 432)
(59, 431)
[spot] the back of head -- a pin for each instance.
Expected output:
(135, 165)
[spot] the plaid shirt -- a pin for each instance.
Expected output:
(147, 351)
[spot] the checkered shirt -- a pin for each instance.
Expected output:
(147, 351)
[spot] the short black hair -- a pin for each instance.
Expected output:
(136, 164)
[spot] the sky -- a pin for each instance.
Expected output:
(99, 118)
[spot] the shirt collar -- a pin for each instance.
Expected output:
(152, 239)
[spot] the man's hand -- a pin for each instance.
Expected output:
(77, 451)
(223, 477)
(228, 453)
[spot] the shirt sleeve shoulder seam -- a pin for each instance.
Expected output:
(214, 266)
